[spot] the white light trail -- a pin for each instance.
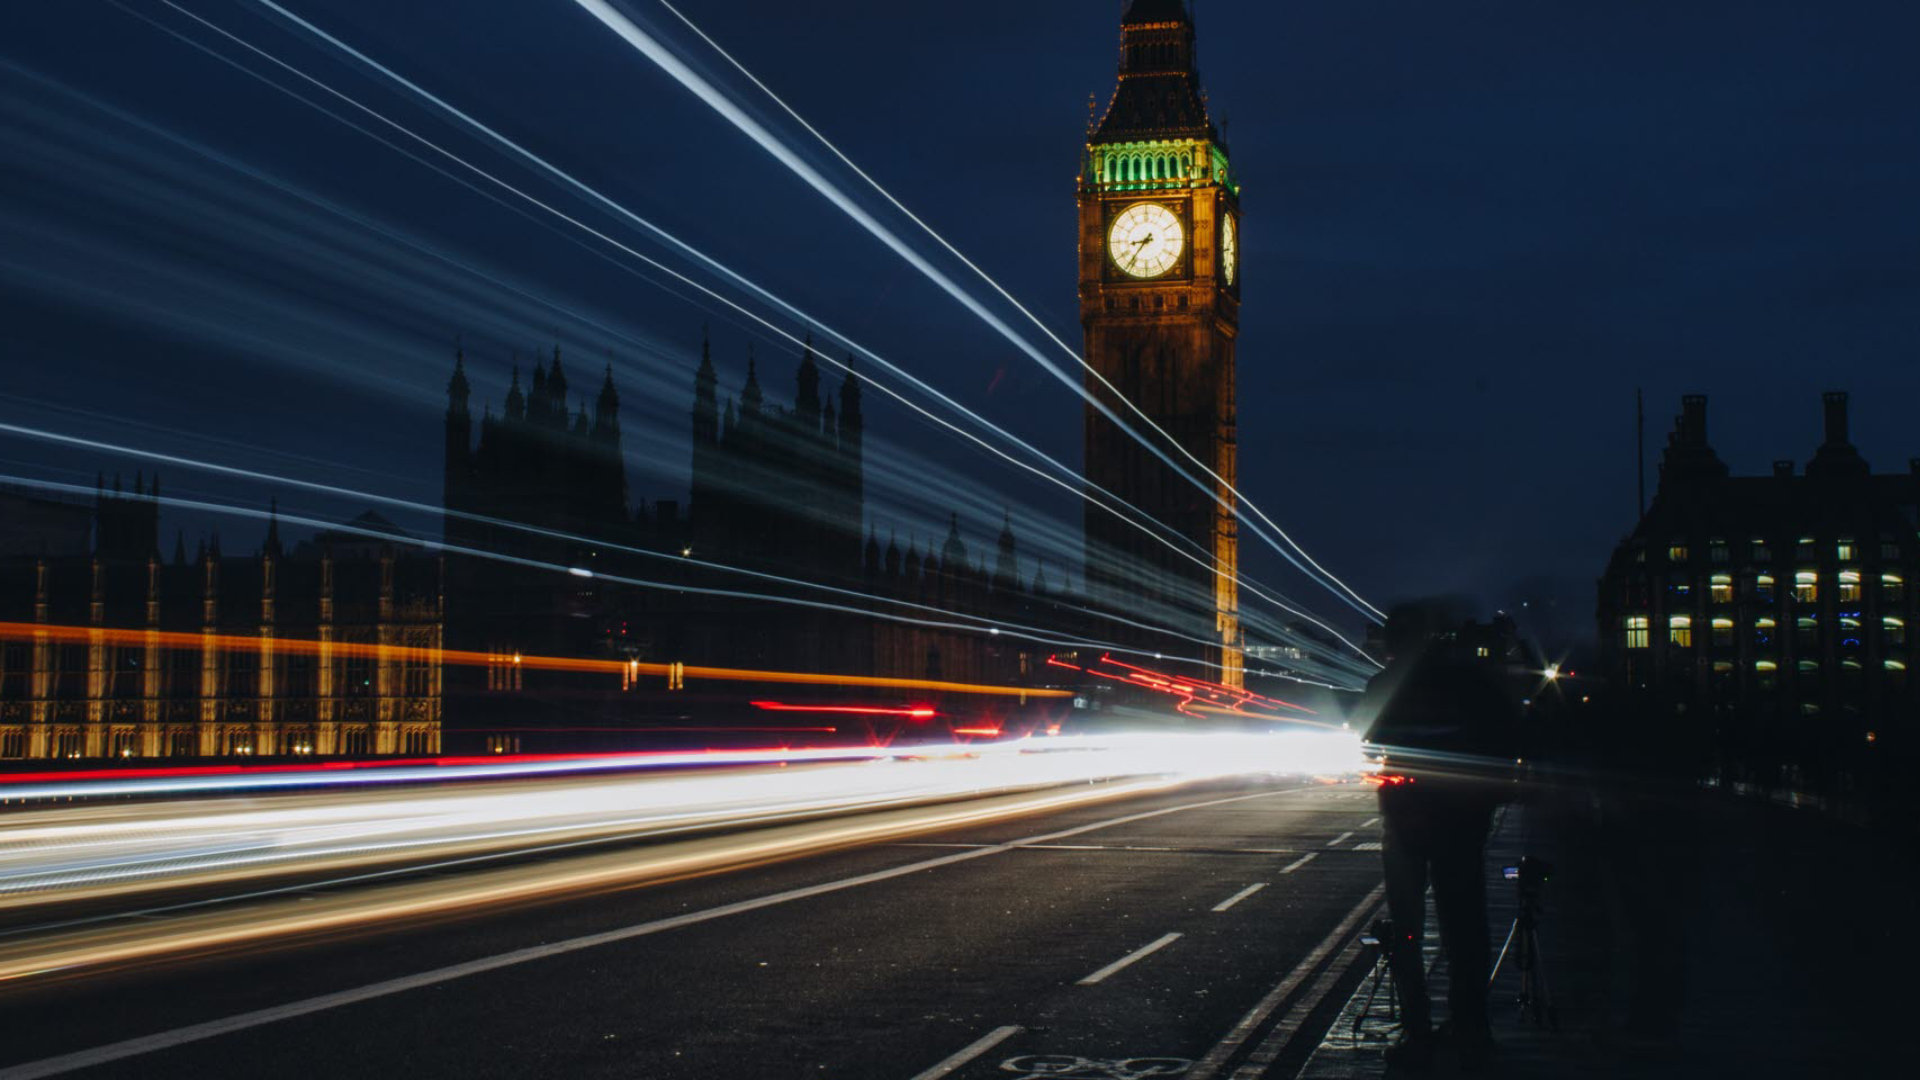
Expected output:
(1062, 477)
(653, 50)
(771, 804)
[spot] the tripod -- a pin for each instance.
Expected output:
(1535, 999)
(1375, 940)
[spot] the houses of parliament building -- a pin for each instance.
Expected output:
(342, 645)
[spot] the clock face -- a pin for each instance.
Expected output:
(1145, 240)
(1229, 248)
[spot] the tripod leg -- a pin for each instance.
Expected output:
(1502, 958)
(1550, 1015)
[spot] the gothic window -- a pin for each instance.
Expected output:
(16, 670)
(297, 741)
(1636, 632)
(71, 679)
(356, 741)
(125, 681)
(126, 743)
(1680, 630)
(68, 743)
(13, 743)
(182, 673)
(180, 743)
(243, 673)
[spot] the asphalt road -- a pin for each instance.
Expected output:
(1147, 932)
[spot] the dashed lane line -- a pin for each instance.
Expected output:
(1239, 896)
(1299, 862)
(972, 1050)
(1370, 823)
(147, 1044)
(1341, 839)
(1133, 957)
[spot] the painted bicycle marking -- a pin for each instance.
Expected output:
(1075, 1067)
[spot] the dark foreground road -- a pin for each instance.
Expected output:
(1130, 930)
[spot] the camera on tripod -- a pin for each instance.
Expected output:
(1377, 935)
(1529, 873)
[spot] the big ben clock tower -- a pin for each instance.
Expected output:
(1160, 303)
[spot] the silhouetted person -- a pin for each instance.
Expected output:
(1447, 727)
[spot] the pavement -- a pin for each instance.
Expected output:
(1691, 934)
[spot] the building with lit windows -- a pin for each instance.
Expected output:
(111, 650)
(1763, 621)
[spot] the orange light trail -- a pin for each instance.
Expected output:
(182, 639)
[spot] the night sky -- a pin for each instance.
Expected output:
(1471, 231)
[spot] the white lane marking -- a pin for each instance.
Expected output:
(1239, 896)
(1341, 839)
(1299, 862)
(1138, 954)
(970, 1051)
(1256, 1016)
(1371, 845)
(1284, 1029)
(147, 1044)
(1370, 823)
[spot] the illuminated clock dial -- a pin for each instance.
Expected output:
(1229, 248)
(1145, 240)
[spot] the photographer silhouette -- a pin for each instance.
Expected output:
(1445, 728)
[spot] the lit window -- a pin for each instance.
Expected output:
(1637, 631)
(1723, 632)
(1893, 587)
(1849, 585)
(1893, 629)
(1763, 588)
(1806, 631)
(1806, 586)
(1680, 630)
(1894, 665)
(1808, 667)
(1765, 665)
(1844, 551)
(1763, 629)
(1677, 553)
(1720, 589)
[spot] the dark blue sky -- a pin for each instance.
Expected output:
(1471, 230)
